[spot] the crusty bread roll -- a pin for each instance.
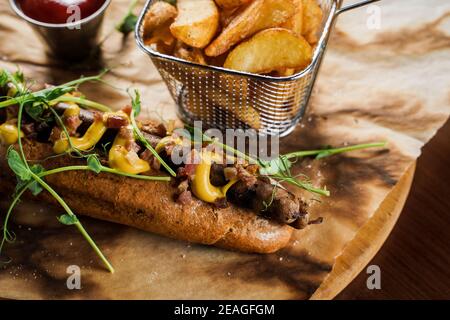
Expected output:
(150, 206)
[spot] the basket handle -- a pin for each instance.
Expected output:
(354, 6)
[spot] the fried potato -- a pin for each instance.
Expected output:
(285, 72)
(227, 98)
(231, 4)
(163, 48)
(216, 61)
(259, 15)
(197, 22)
(227, 15)
(270, 50)
(183, 51)
(295, 23)
(248, 115)
(312, 20)
(245, 113)
(157, 23)
(162, 35)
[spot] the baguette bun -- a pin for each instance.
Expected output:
(150, 206)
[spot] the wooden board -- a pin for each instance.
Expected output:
(368, 241)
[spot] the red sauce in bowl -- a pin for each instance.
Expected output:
(56, 11)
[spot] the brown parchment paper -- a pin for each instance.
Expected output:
(388, 84)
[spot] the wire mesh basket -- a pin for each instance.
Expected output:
(223, 98)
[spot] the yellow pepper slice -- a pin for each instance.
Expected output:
(201, 185)
(126, 161)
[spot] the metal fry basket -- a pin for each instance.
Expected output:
(223, 98)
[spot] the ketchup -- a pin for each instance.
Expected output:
(55, 11)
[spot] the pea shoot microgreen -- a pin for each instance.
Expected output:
(326, 152)
(136, 109)
(128, 22)
(82, 102)
(279, 169)
(45, 95)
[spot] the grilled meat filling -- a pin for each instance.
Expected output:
(271, 201)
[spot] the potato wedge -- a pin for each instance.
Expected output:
(248, 115)
(197, 22)
(245, 113)
(312, 19)
(295, 23)
(285, 72)
(157, 22)
(216, 61)
(162, 35)
(163, 48)
(231, 4)
(227, 15)
(259, 15)
(183, 51)
(270, 50)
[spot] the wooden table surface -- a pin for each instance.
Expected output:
(415, 259)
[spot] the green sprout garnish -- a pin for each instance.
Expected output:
(136, 109)
(278, 169)
(128, 22)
